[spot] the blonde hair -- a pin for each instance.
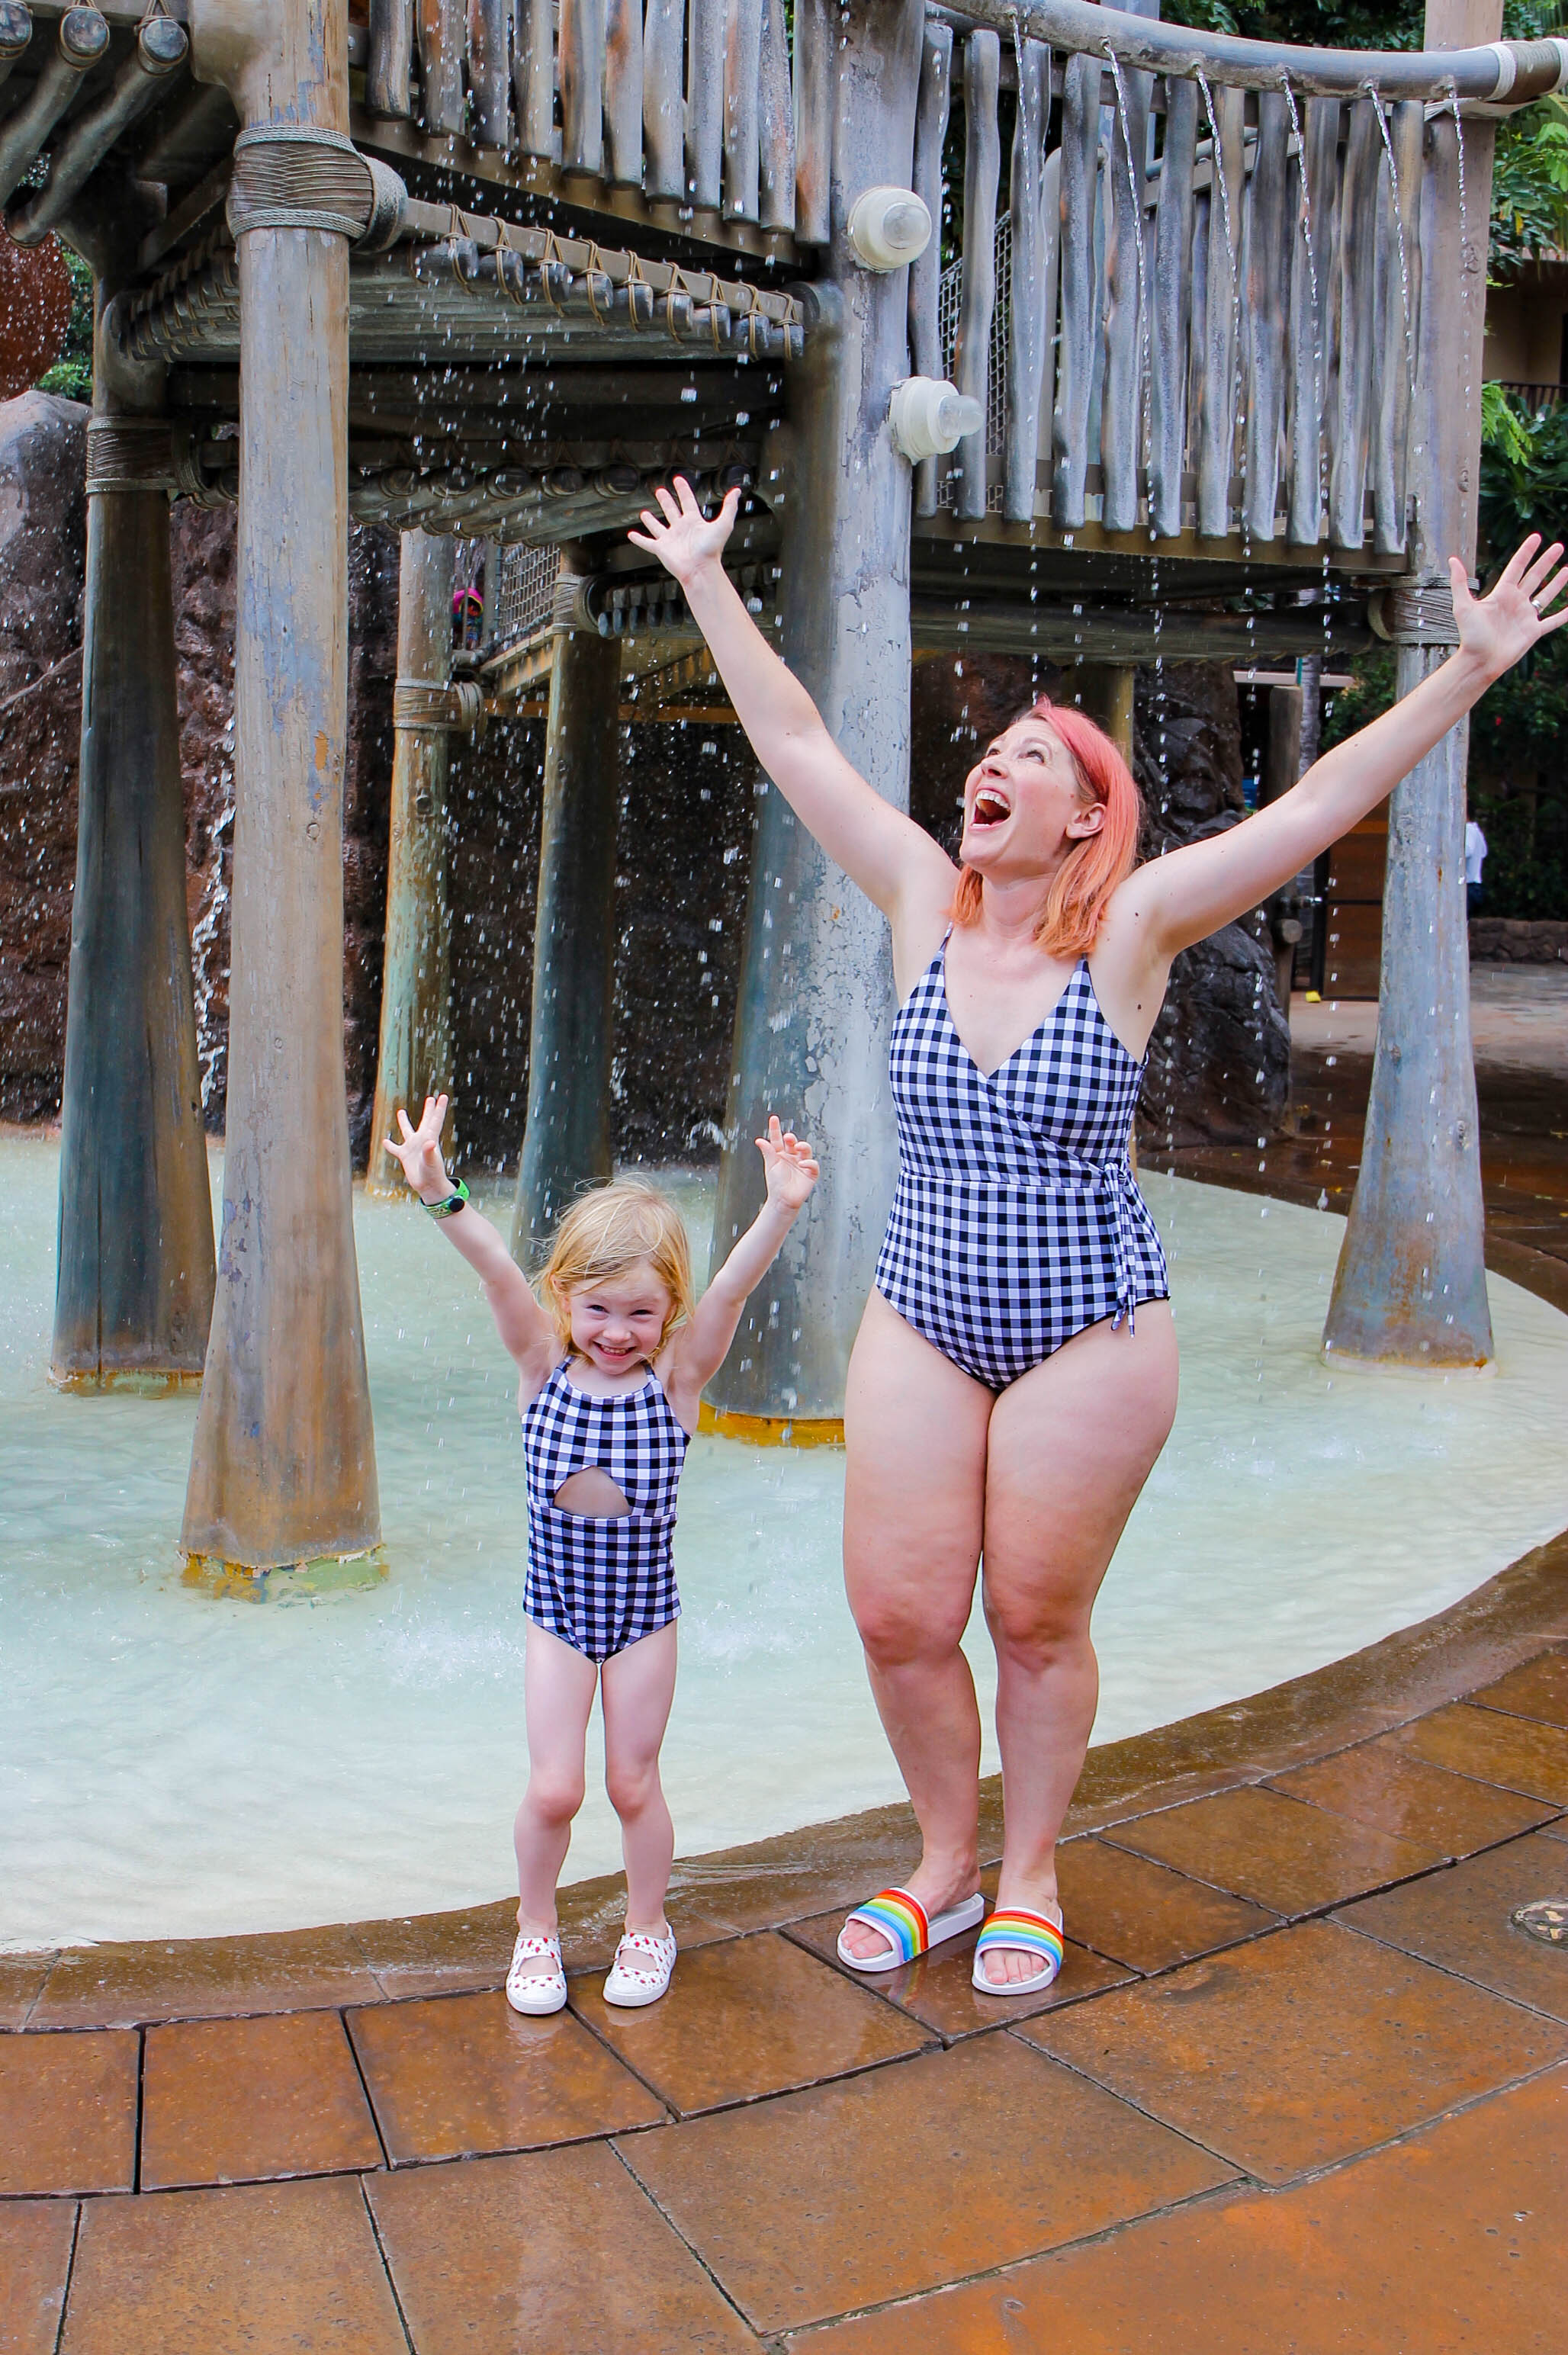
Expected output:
(606, 1232)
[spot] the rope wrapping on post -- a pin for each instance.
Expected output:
(130, 454)
(457, 707)
(1414, 614)
(292, 176)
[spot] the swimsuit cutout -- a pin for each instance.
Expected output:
(602, 1582)
(1018, 1221)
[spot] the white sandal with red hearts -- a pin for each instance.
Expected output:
(641, 1970)
(536, 1992)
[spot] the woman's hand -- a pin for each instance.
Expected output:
(789, 1167)
(685, 541)
(419, 1154)
(1496, 629)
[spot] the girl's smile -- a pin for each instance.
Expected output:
(617, 1327)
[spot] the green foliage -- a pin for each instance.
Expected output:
(1311, 24)
(71, 374)
(1529, 187)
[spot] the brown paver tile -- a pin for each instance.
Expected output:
(238, 2101)
(1455, 2242)
(437, 1953)
(460, 2074)
(938, 1989)
(747, 2017)
(202, 1978)
(259, 2267)
(67, 2113)
(1460, 1919)
(884, 2185)
(1539, 1689)
(22, 1979)
(1383, 1785)
(34, 2259)
(1300, 2049)
(1276, 1851)
(1144, 1914)
(557, 2253)
(1517, 1753)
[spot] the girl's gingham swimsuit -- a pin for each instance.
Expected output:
(1018, 1221)
(601, 1583)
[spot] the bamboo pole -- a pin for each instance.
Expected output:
(582, 68)
(816, 79)
(777, 113)
(977, 303)
(533, 79)
(1075, 352)
(705, 104)
(1029, 324)
(1267, 250)
(1356, 261)
(926, 273)
(490, 71)
(441, 34)
(1171, 306)
(743, 109)
(1315, 183)
(389, 68)
(664, 102)
(1121, 408)
(1217, 414)
(623, 94)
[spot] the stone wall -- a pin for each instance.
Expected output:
(1515, 940)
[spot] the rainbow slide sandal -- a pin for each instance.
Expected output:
(1014, 1931)
(904, 1920)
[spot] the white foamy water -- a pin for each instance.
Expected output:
(174, 1764)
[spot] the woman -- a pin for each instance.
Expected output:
(1015, 1376)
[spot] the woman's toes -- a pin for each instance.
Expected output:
(866, 1944)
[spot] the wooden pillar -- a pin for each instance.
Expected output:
(134, 1274)
(283, 1466)
(1105, 691)
(816, 995)
(414, 1057)
(1281, 771)
(567, 1141)
(1411, 1288)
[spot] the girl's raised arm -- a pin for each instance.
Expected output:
(894, 862)
(699, 1349)
(1189, 894)
(526, 1333)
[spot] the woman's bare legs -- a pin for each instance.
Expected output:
(638, 1688)
(1072, 1444)
(913, 1506)
(557, 1692)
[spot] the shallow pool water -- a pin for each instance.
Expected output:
(170, 1764)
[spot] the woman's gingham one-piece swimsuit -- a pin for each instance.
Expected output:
(600, 1583)
(1018, 1221)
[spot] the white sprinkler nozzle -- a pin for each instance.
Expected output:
(889, 227)
(928, 418)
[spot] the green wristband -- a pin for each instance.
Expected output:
(453, 1202)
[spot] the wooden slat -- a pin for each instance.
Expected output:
(777, 138)
(489, 71)
(1311, 310)
(982, 171)
(1029, 326)
(1263, 352)
(1170, 308)
(815, 26)
(1120, 405)
(623, 94)
(743, 96)
(441, 34)
(1197, 324)
(390, 63)
(664, 100)
(705, 102)
(1391, 428)
(533, 78)
(1075, 352)
(1355, 257)
(581, 71)
(1217, 419)
(925, 274)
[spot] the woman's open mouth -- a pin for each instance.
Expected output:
(992, 807)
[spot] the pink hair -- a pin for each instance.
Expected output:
(1074, 905)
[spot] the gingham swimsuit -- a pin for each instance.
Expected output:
(1018, 1221)
(601, 1583)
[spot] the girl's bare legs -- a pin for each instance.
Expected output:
(914, 1507)
(558, 1691)
(639, 1687)
(1072, 1444)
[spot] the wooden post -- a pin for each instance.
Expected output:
(414, 1057)
(134, 1274)
(1411, 1288)
(566, 1143)
(1105, 691)
(283, 1466)
(816, 995)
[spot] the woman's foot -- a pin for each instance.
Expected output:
(1006, 1966)
(641, 1971)
(939, 1890)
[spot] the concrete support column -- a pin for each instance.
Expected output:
(566, 1143)
(815, 996)
(283, 1466)
(414, 1057)
(1411, 1288)
(134, 1274)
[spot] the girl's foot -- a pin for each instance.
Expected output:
(536, 1983)
(641, 1970)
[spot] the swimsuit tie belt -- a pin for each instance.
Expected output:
(1122, 1187)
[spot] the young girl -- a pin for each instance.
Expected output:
(612, 1370)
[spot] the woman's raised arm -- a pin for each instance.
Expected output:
(1190, 893)
(893, 860)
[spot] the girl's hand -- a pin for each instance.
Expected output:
(420, 1151)
(685, 541)
(1496, 629)
(790, 1169)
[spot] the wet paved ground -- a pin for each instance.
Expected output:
(1303, 2083)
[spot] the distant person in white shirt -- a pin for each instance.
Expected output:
(1475, 859)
